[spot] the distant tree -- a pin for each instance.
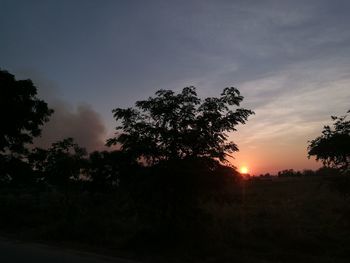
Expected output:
(308, 172)
(326, 171)
(333, 146)
(22, 113)
(288, 173)
(178, 126)
(61, 163)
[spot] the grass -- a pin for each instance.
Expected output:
(283, 220)
(288, 220)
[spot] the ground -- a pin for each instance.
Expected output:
(303, 219)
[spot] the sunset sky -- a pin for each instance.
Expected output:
(289, 59)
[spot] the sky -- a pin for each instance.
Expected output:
(289, 59)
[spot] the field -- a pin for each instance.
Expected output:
(304, 219)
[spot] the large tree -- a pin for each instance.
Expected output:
(22, 113)
(177, 126)
(333, 146)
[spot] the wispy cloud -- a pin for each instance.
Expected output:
(291, 108)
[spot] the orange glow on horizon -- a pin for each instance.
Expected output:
(244, 170)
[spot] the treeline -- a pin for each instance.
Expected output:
(65, 164)
(169, 189)
(166, 132)
(323, 171)
(171, 159)
(173, 150)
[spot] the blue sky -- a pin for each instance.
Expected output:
(290, 60)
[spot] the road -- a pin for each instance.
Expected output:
(21, 252)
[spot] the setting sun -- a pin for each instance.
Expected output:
(244, 170)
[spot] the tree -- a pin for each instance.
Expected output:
(333, 146)
(21, 113)
(61, 163)
(178, 126)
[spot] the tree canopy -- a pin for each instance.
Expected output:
(21, 113)
(333, 146)
(177, 126)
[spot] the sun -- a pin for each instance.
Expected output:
(244, 170)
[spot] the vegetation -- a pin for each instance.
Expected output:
(323, 171)
(284, 220)
(333, 146)
(167, 194)
(179, 126)
(59, 164)
(22, 115)
(21, 111)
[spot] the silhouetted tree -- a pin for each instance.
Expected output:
(326, 171)
(288, 173)
(21, 112)
(183, 138)
(61, 163)
(308, 172)
(15, 172)
(333, 146)
(178, 126)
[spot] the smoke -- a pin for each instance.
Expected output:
(82, 123)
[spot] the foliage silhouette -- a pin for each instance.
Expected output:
(176, 126)
(15, 172)
(60, 164)
(288, 173)
(184, 207)
(21, 112)
(183, 142)
(22, 115)
(333, 146)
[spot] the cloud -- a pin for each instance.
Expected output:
(291, 107)
(288, 58)
(82, 123)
